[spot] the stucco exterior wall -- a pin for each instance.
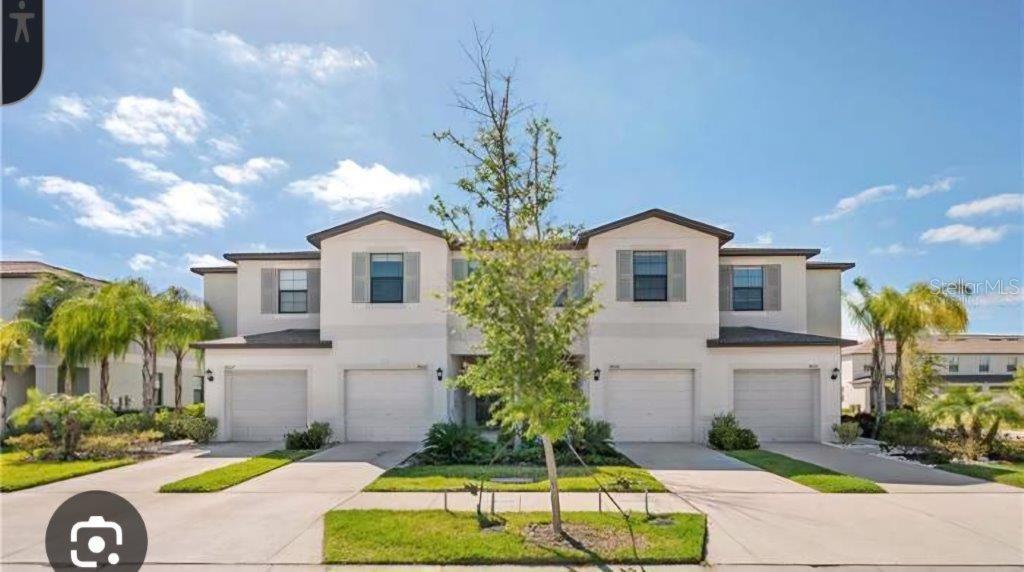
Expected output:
(793, 315)
(220, 292)
(824, 303)
(12, 290)
(249, 318)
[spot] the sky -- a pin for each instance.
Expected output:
(885, 133)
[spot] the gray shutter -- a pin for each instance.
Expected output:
(677, 276)
(460, 269)
(724, 288)
(313, 290)
(411, 277)
(360, 277)
(773, 287)
(268, 290)
(624, 275)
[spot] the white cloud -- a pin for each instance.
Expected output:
(154, 123)
(965, 234)
(227, 145)
(1005, 203)
(847, 205)
(896, 249)
(149, 172)
(252, 171)
(940, 186)
(765, 239)
(194, 259)
(10, 171)
(68, 109)
(351, 187)
(182, 208)
(141, 262)
(318, 62)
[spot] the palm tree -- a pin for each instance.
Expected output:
(868, 313)
(16, 349)
(86, 327)
(39, 305)
(140, 318)
(185, 321)
(908, 315)
(974, 414)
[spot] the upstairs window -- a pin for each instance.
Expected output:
(650, 276)
(292, 294)
(386, 278)
(1011, 364)
(953, 364)
(984, 364)
(748, 288)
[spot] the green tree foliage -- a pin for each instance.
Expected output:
(185, 321)
(519, 268)
(141, 318)
(62, 418)
(39, 306)
(17, 347)
(974, 415)
(921, 380)
(868, 311)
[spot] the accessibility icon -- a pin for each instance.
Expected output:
(22, 48)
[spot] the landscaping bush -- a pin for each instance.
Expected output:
(1011, 450)
(866, 422)
(63, 418)
(455, 444)
(28, 443)
(960, 445)
(185, 425)
(315, 436)
(131, 422)
(726, 434)
(847, 432)
(905, 431)
(98, 447)
(195, 410)
(593, 438)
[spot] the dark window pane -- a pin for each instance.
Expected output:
(650, 276)
(385, 289)
(747, 278)
(650, 288)
(293, 302)
(747, 299)
(650, 263)
(292, 279)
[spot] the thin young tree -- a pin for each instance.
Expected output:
(520, 268)
(39, 305)
(186, 321)
(142, 319)
(17, 347)
(867, 311)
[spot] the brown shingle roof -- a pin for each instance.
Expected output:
(957, 344)
(33, 269)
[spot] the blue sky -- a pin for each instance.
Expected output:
(888, 134)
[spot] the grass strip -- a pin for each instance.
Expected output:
(437, 537)
(1006, 473)
(17, 474)
(807, 474)
(435, 478)
(230, 475)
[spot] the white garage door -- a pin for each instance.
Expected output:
(267, 404)
(388, 405)
(649, 405)
(777, 404)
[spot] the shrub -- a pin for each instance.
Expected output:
(131, 422)
(726, 434)
(961, 445)
(847, 432)
(867, 423)
(453, 444)
(28, 443)
(1011, 450)
(905, 431)
(195, 410)
(118, 445)
(315, 436)
(592, 438)
(184, 425)
(63, 418)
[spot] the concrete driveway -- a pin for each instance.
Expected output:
(964, 525)
(274, 518)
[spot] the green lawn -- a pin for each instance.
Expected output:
(17, 474)
(807, 474)
(230, 475)
(571, 479)
(439, 537)
(1006, 473)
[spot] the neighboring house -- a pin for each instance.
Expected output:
(357, 333)
(982, 360)
(16, 279)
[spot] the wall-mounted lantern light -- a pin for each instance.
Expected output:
(597, 374)
(209, 376)
(835, 373)
(440, 374)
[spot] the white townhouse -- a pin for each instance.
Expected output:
(986, 361)
(17, 278)
(356, 332)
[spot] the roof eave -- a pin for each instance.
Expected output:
(723, 235)
(317, 237)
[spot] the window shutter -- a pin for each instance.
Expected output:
(624, 275)
(724, 288)
(268, 290)
(313, 290)
(677, 276)
(460, 269)
(773, 287)
(411, 277)
(360, 277)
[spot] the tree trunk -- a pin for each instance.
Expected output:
(105, 380)
(148, 376)
(3, 400)
(897, 373)
(878, 378)
(990, 437)
(178, 356)
(62, 370)
(556, 507)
